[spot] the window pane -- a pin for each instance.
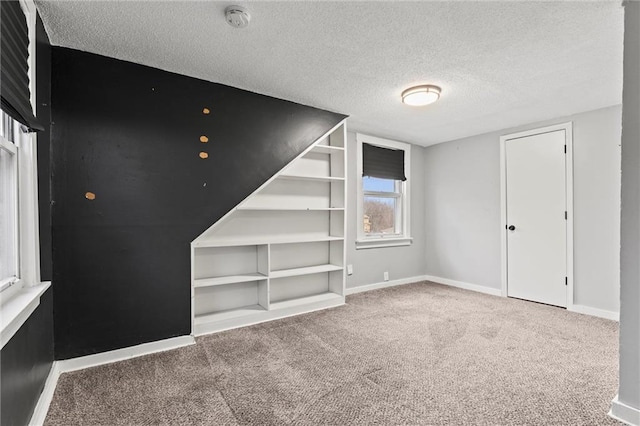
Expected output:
(379, 215)
(8, 222)
(378, 184)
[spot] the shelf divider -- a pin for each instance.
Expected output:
(310, 177)
(292, 209)
(229, 279)
(304, 271)
(326, 149)
(270, 240)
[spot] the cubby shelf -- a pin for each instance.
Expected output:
(311, 177)
(323, 297)
(281, 251)
(229, 314)
(326, 149)
(276, 239)
(229, 279)
(293, 209)
(304, 271)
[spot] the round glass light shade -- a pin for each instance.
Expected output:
(421, 95)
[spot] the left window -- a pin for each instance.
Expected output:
(20, 285)
(9, 249)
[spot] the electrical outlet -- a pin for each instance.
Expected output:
(386, 276)
(349, 269)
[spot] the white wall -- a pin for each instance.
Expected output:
(462, 216)
(462, 199)
(629, 391)
(401, 262)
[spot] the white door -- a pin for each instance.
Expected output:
(536, 218)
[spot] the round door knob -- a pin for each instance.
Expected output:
(512, 228)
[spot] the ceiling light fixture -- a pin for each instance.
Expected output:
(421, 95)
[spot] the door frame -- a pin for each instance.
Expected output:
(568, 128)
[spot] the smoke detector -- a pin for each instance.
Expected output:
(237, 16)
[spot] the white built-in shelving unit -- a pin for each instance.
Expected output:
(281, 251)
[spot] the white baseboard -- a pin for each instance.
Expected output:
(587, 310)
(465, 286)
(94, 360)
(624, 413)
(73, 364)
(384, 284)
(42, 407)
(581, 309)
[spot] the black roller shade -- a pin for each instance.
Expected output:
(14, 73)
(382, 162)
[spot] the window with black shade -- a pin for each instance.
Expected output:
(15, 93)
(383, 195)
(19, 245)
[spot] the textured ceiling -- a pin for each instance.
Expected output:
(500, 64)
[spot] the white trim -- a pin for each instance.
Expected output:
(595, 312)
(362, 239)
(568, 128)
(17, 309)
(569, 200)
(192, 253)
(580, 309)
(12, 181)
(420, 278)
(383, 242)
(42, 407)
(503, 218)
(463, 285)
(624, 413)
(385, 284)
(29, 229)
(109, 357)
(29, 246)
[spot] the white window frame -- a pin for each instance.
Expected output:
(8, 134)
(18, 301)
(366, 241)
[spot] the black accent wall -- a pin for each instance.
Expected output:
(25, 363)
(26, 359)
(130, 135)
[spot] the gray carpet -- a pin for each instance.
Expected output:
(415, 354)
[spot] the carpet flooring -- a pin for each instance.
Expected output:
(418, 354)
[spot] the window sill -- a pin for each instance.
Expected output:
(383, 242)
(17, 309)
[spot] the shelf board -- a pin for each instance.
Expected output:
(326, 149)
(275, 239)
(289, 240)
(312, 178)
(293, 209)
(323, 297)
(230, 279)
(229, 314)
(304, 271)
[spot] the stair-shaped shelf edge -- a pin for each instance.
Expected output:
(292, 261)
